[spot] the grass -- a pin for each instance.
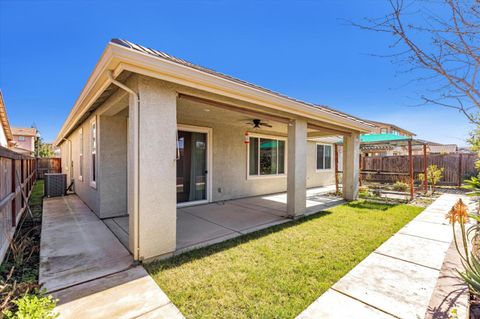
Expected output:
(278, 272)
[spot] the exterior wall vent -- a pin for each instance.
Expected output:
(55, 184)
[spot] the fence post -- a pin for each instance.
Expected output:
(336, 169)
(425, 167)
(14, 186)
(360, 169)
(410, 168)
(460, 170)
(22, 181)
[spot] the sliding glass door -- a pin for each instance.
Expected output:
(192, 166)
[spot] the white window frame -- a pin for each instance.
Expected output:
(81, 158)
(21, 138)
(383, 130)
(209, 132)
(316, 157)
(93, 183)
(272, 137)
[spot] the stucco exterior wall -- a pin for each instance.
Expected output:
(89, 194)
(107, 172)
(113, 165)
(157, 168)
(230, 165)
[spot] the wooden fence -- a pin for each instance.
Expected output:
(18, 174)
(48, 165)
(457, 167)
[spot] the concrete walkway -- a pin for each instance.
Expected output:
(396, 280)
(85, 266)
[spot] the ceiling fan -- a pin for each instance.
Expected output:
(257, 123)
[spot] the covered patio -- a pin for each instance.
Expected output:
(204, 225)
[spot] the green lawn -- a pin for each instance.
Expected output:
(278, 272)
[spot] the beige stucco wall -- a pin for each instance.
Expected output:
(113, 165)
(230, 165)
(111, 175)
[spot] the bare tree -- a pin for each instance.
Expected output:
(440, 42)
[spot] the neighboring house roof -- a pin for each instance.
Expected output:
(4, 120)
(376, 123)
(124, 57)
(446, 148)
(24, 131)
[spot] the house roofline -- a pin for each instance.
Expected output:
(119, 58)
(394, 126)
(4, 120)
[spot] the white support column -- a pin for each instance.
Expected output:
(351, 169)
(297, 168)
(157, 212)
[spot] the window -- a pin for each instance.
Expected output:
(395, 132)
(80, 162)
(93, 144)
(21, 138)
(383, 130)
(266, 156)
(324, 157)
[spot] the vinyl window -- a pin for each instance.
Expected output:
(266, 156)
(80, 160)
(324, 157)
(93, 146)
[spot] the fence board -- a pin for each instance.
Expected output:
(393, 168)
(11, 165)
(48, 165)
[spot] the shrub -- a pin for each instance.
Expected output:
(33, 306)
(434, 175)
(400, 186)
(364, 192)
(470, 261)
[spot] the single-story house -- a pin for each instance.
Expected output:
(151, 132)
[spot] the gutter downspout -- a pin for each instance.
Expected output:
(136, 156)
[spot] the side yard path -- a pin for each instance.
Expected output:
(85, 266)
(396, 280)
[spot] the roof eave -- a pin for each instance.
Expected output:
(118, 58)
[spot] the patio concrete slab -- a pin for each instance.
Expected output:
(129, 294)
(231, 216)
(398, 278)
(193, 230)
(119, 227)
(337, 309)
(76, 246)
(407, 248)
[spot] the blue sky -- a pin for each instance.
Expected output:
(303, 49)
